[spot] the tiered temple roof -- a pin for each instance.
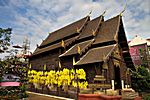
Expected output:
(55, 38)
(91, 27)
(84, 33)
(74, 49)
(65, 31)
(108, 30)
(95, 55)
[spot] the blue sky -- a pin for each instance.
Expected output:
(36, 18)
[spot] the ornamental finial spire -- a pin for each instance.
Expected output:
(121, 13)
(104, 13)
(90, 12)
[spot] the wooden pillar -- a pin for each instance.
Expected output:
(122, 84)
(113, 84)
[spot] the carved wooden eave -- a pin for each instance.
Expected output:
(94, 32)
(87, 47)
(80, 29)
(124, 46)
(106, 58)
(71, 41)
(116, 35)
(116, 54)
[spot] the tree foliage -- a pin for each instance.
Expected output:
(5, 35)
(13, 66)
(141, 79)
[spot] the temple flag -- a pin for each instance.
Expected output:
(59, 64)
(74, 62)
(78, 30)
(93, 32)
(62, 43)
(45, 67)
(79, 49)
(30, 66)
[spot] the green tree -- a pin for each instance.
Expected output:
(141, 79)
(5, 35)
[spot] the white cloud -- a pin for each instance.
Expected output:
(39, 17)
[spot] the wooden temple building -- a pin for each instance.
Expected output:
(98, 46)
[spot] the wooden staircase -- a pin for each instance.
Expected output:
(99, 83)
(99, 78)
(128, 94)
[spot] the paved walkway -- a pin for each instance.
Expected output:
(38, 96)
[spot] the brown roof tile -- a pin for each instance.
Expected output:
(54, 46)
(74, 49)
(65, 31)
(90, 27)
(108, 30)
(70, 40)
(48, 48)
(95, 55)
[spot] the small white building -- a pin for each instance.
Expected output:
(140, 51)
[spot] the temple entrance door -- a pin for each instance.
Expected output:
(117, 78)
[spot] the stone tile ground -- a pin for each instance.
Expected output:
(37, 96)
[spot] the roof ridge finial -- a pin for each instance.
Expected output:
(121, 13)
(89, 14)
(103, 13)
